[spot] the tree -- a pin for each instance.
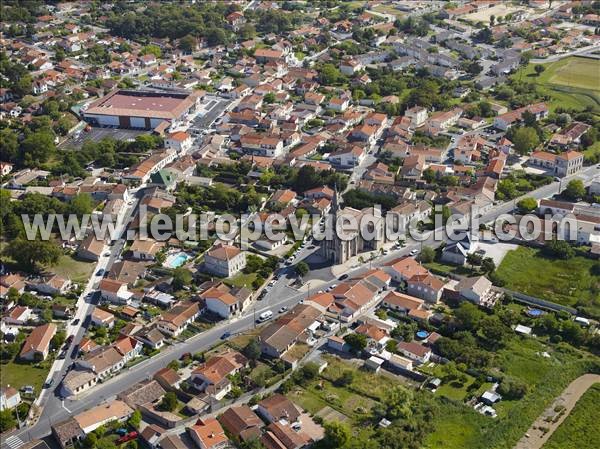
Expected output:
(81, 204)
(329, 74)
(302, 268)
(187, 43)
(29, 253)
(337, 434)
(269, 98)
(357, 342)
(525, 139)
(511, 388)
(58, 339)
(135, 419)
(7, 420)
(90, 440)
(181, 278)
(427, 254)
(527, 205)
(559, 249)
(469, 316)
(37, 147)
(346, 378)
(169, 402)
(488, 265)
(9, 145)
(252, 349)
(493, 330)
(575, 190)
(539, 69)
(474, 259)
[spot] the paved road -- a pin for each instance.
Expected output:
(281, 296)
(534, 437)
(579, 51)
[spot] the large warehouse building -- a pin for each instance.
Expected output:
(141, 109)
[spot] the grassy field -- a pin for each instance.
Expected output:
(571, 82)
(580, 429)
(241, 280)
(71, 268)
(458, 426)
(565, 282)
(18, 374)
(388, 9)
(353, 401)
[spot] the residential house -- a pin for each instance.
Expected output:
(278, 337)
(103, 361)
(9, 398)
(404, 268)
(174, 321)
(145, 249)
(278, 408)
(426, 287)
(90, 248)
(226, 301)
(414, 351)
(207, 433)
(224, 260)
(102, 318)
(242, 423)
(114, 291)
(37, 343)
(505, 121)
(476, 289)
(211, 377)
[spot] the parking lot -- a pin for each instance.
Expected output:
(213, 109)
(95, 134)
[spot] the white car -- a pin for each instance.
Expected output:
(414, 252)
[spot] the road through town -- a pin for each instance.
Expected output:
(56, 410)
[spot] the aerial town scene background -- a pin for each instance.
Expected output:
(252, 224)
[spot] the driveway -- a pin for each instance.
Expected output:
(496, 250)
(567, 399)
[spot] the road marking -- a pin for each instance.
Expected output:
(14, 442)
(62, 402)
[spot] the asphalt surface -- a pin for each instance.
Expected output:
(279, 295)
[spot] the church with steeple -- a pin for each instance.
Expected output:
(369, 234)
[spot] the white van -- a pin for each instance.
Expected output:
(265, 316)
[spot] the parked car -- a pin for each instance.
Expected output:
(265, 316)
(283, 309)
(225, 335)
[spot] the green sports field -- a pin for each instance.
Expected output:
(572, 82)
(576, 72)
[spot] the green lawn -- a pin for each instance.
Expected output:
(571, 82)
(354, 400)
(17, 374)
(71, 268)
(241, 280)
(580, 429)
(567, 282)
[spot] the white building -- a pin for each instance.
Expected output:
(224, 260)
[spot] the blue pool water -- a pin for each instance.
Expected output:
(535, 312)
(179, 260)
(422, 335)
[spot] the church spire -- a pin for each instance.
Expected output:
(335, 204)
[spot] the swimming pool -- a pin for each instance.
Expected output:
(176, 260)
